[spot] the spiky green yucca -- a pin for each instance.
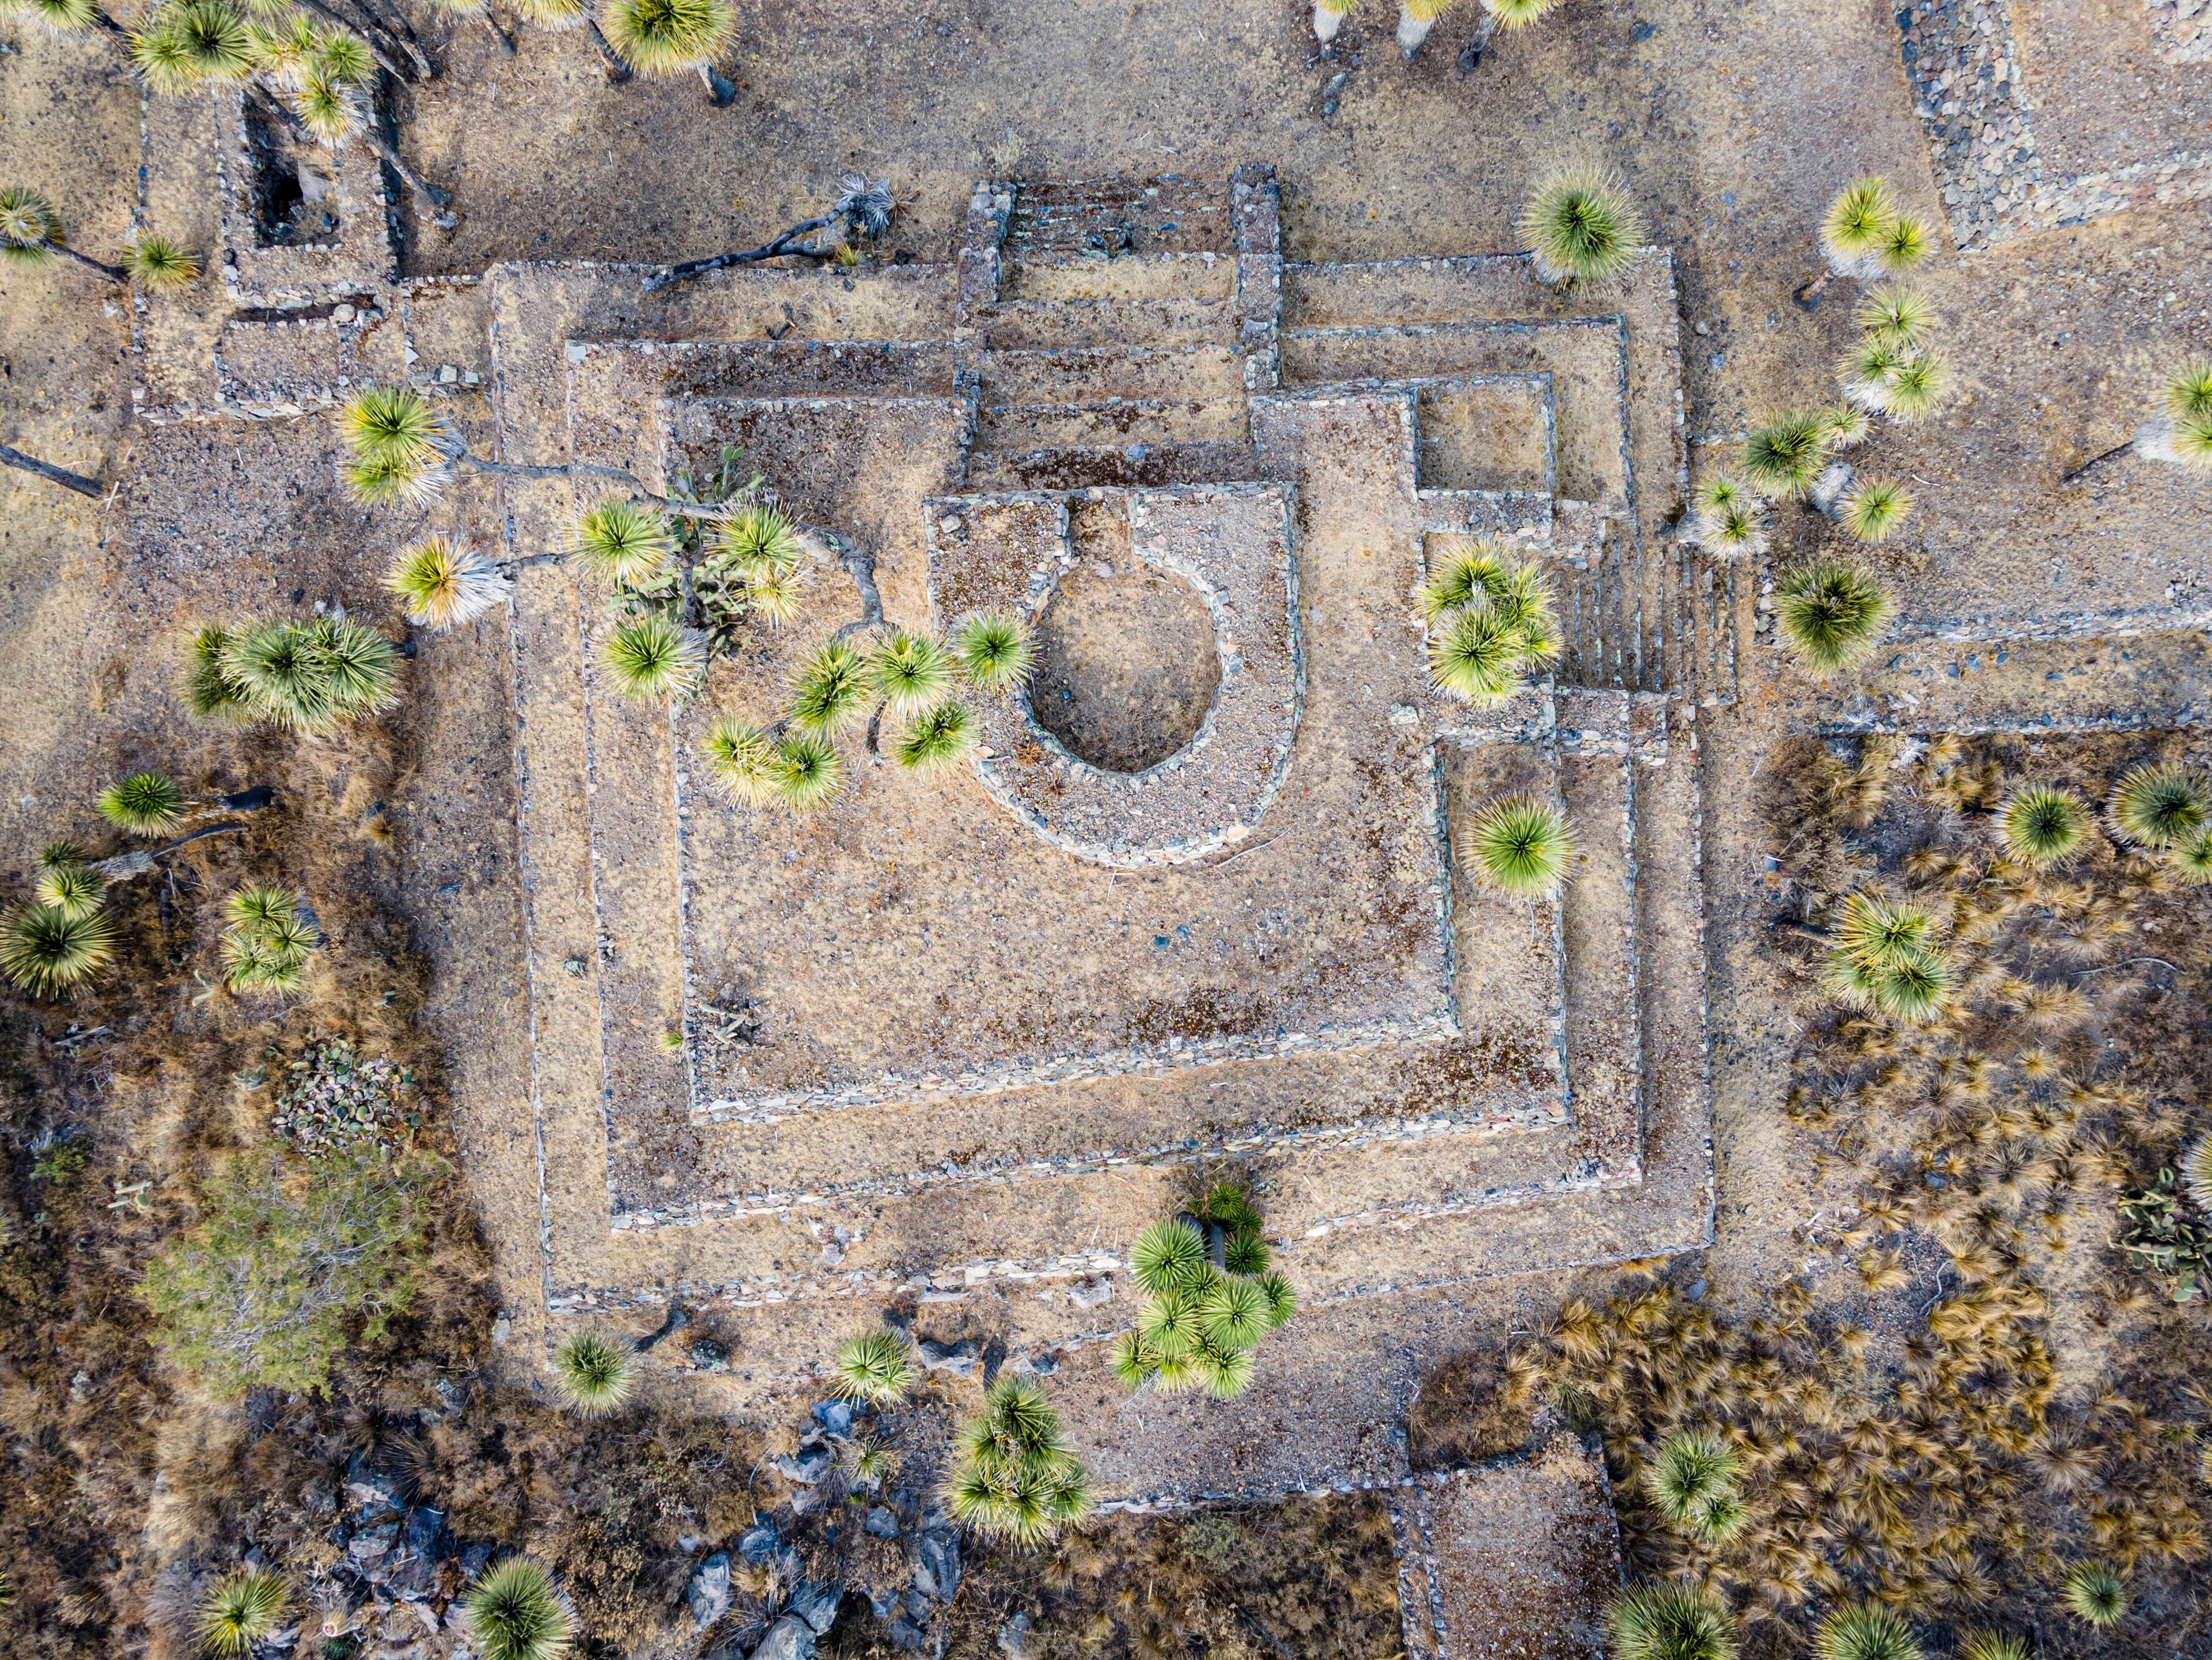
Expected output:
(2042, 825)
(208, 694)
(1168, 1256)
(1171, 1322)
(1235, 1312)
(330, 107)
(1918, 386)
(1694, 1468)
(144, 804)
(878, 1368)
(1671, 1622)
(993, 652)
(398, 447)
(1015, 1478)
(1785, 456)
(2197, 1178)
(1581, 227)
(2158, 805)
(60, 16)
(908, 670)
(1857, 226)
(312, 676)
(649, 658)
(1905, 247)
(832, 691)
(1917, 986)
(1867, 372)
(1520, 13)
(343, 58)
(241, 1609)
(2096, 1593)
(267, 942)
(46, 952)
(759, 540)
(1491, 623)
(72, 889)
(1875, 507)
(1989, 1645)
(594, 1373)
(160, 265)
(1832, 613)
(666, 38)
(515, 1612)
(807, 774)
(1864, 1631)
(1897, 316)
(1845, 425)
(1522, 845)
(938, 738)
(189, 43)
(742, 759)
(1877, 931)
(775, 593)
(27, 223)
(2191, 859)
(2188, 395)
(621, 542)
(441, 587)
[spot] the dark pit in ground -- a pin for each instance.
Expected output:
(1126, 664)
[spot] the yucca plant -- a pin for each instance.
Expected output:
(1879, 931)
(741, 757)
(621, 541)
(1168, 1256)
(1832, 613)
(514, 1611)
(267, 940)
(665, 39)
(807, 774)
(1726, 519)
(2196, 1175)
(1785, 456)
(144, 804)
(160, 265)
(1491, 623)
(190, 43)
(1671, 1622)
(1864, 1631)
(876, 1367)
(1329, 17)
(2191, 859)
(312, 676)
(2158, 805)
(2096, 1593)
(1918, 386)
(908, 670)
(759, 540)
(1415, 19)
(1896, 316)
(1917, 986)
(330, 100)
(31, 234)
(47, 951)
(1873, 508)
(1845, 425)
(650, 658)
(66, 17)
(1509, 15)
(594, 1373)
(1867, 370)
(1856, 230)
(2043, 825)
(1015, 1478)
(241, 1609)
(993, 652)
(2181, 432)
(398, 447)
(442, 587)
(833, 689)
(1689, 1482)
(1522, 845)
(71, 889)
(938, 738)
(1582, 227)
(1989, 1645)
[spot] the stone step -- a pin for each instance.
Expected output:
(1110, 321)
(1087, 375)
(1116, 420)
(1114, 217)
(1476, 431)
(1131, 277)
(1111, 467)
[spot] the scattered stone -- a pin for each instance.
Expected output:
(836, 1417)
(425, 1528)
(882, 1603)
(937, 1564)
(959, 1359)
(760, 1543)
(1013, 1634)
(903, 1633)
(337, 1101)
(710, 1594)
(817, 1603)
(1091, 1292)
(805, 1469)
(372, 1543)
(708, 1355)
(882, 1523)
(788, 1639)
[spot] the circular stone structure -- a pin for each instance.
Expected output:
(1147, 756)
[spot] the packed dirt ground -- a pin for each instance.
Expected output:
(1957, 1383)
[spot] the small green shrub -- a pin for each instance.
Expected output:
(1522, 845)
(1014, 1477)
(878, 1368)
(514, 1611)
(144, 804)
(594, 1373)
(2096, 1593)
(1671, 1622)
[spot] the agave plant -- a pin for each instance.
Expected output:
(144, 804)
(833, 689)
(1785, 456)
(938, 738)
(665, 39)
(1864, 1631)
(650, 658)
(514, 1611)
(241, 1609)
(1671, 1622)
(1015, 1478)
(594, 1373)
(441, 587)
(1523, 845)
(878, 1368)
(908, 670)
(31, 234)
(624, 542)
(2043, 825)
(1874, 508)
(46, 952)
(2156, 805)
(398, 447)
(1832, 612)
(993, 652)
(2096, 1593)
(1582, 227)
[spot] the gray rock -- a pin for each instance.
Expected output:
(373, 1543)
(882, 1603)
(916, 1606)
(426, 1529)
(710, 1593)
(1013, 1634)
(882, 1523)
(760, 1542)
(959, 1359)
(903, 1633)
(805, 1469)
(834, 1416)
(788, 1639)
(708, 1355)
(817, 1603)
(937, 1564)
